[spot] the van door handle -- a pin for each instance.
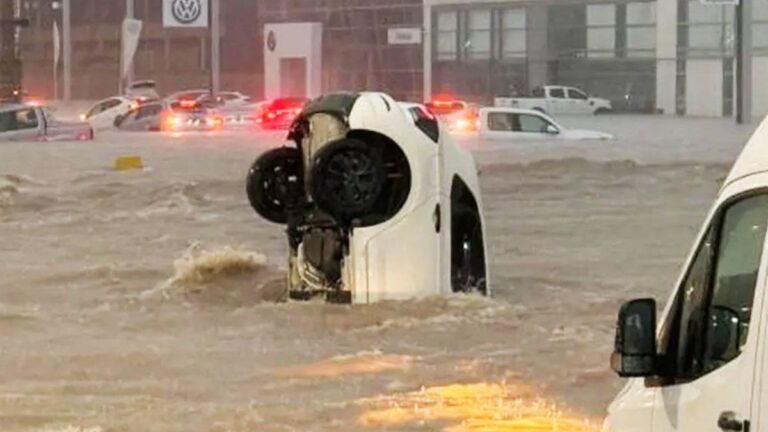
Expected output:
(729, 422)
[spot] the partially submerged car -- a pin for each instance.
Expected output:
(169, 117)
(20, 122)
(523, 124)
(102, 114)
(280, 113)
(378, 203)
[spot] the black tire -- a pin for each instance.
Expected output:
(602, 111)
(275, 184)
(347, 179)
(468, 254)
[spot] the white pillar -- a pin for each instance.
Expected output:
(666, 56)
(427, 51)
(67, 48)
(129, 14)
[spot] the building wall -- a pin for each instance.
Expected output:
(355, 49)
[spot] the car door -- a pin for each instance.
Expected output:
(709, 337)
(21, 124)
(578, 102)
(558, 101)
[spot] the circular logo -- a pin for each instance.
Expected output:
(187, 11)
(271, 41)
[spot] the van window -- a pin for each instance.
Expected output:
(711, 316)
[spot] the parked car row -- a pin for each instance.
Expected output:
(503, 122)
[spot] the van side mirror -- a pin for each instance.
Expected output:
(552, 130)
(634, 352)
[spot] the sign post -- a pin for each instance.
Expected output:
(197, 14)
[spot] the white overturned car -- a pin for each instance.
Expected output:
(379, 204)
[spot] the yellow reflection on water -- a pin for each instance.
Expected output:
(486, 407)
(364, 363)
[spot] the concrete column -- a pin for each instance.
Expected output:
(744, 62)
(427, 51)
(67, 47)
(666, 56)
(538, 46)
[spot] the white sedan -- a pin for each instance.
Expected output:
(102, 115)
(516, 123)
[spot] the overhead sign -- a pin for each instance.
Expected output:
(720, 2)
(404, 36)
(185, 13)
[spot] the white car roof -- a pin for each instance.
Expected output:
(754, 157)
(14, 107)
(512, 110)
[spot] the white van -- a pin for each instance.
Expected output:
(705, 367)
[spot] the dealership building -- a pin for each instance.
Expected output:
(669, 56)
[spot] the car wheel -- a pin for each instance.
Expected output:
(347, 178)
(602, 111)
(468, 256)
(275, 184)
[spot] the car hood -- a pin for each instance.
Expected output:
(582, 134)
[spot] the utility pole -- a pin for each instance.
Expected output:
(744, 62)
(214, 23)
(66, 23)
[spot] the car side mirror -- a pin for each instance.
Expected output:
(725, 331)
(552, 130)
(634, 353)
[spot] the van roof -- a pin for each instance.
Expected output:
(754, 157)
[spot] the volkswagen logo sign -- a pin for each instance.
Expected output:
(187, 11)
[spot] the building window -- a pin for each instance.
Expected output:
(710, 29)
(760, 26)
(514, 38)
(601, 30)
(641, 29)
(447, 35)
(479, 34)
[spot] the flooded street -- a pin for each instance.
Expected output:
(147, 300)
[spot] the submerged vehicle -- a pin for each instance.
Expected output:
(24, 122)
(702, 367)
(503, 124)
(378, 203)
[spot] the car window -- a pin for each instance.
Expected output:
(111, 104)
(500, 122)
(127, 118)
(7, 121)
(148, 111)
(720, 284)
(99, 107)
(538, 92)
(557, 93)
(532, 124)
(26, 119)
(576, 94)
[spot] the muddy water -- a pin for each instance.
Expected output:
(144, 300)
